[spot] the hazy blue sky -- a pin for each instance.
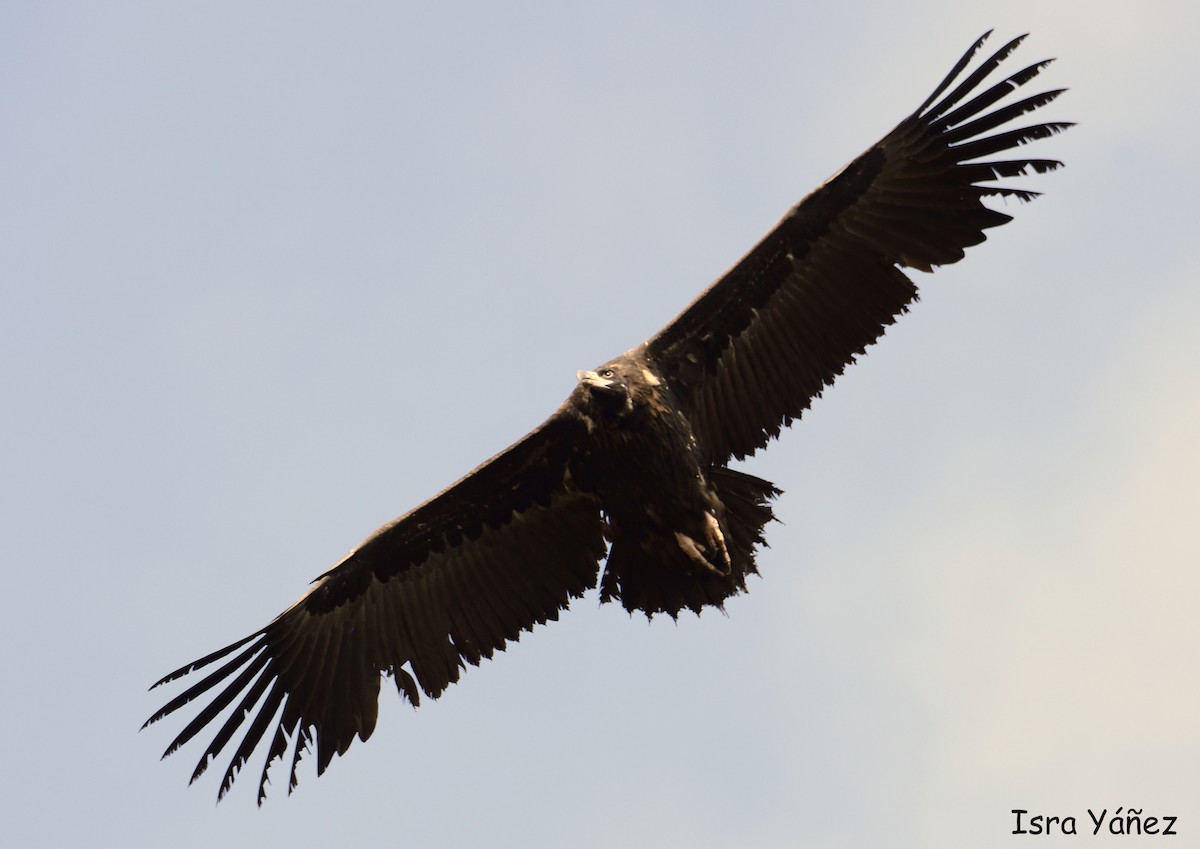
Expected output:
(273, 273)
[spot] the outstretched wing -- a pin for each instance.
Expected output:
(504, 548)
(753, 350)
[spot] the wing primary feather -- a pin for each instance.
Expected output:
(202, 662)
(254, 734)
(955, 71)
(972, 80)
(303, 742)
(236, 687)
(959, 125)
(205, 684)
(1003, 141)
(279, 745)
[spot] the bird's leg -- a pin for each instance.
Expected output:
(715, 540)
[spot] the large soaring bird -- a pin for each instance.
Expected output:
(632, 469)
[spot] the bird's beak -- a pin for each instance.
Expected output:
(590, 378)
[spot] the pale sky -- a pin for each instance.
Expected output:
(274, 273)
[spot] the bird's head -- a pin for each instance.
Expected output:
(607, 388)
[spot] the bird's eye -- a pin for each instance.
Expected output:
(607, 373)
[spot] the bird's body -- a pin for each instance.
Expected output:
(632, 470)
(673, 542)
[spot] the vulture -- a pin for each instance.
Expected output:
(627, 485)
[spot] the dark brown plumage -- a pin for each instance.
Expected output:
(633, 465)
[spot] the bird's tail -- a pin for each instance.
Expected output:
(643, 581)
